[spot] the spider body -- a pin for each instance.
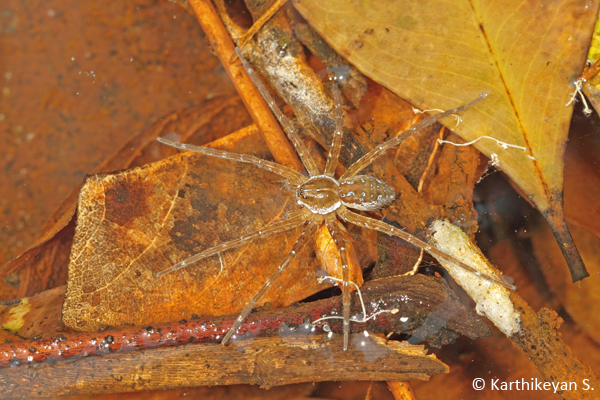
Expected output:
(323, 194)
(324, 199)
(365, 193)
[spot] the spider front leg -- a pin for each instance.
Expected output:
(301, 149)
(380, 150)
(292, 176)
(334, 152)
(300, 243)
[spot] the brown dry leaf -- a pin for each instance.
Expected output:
(437, 55)
(136, 223)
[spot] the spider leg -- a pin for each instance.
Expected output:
(293, 176)
(278, 227)
(260, 23)
(340, 242)
(334, 152)
(301, 149)
(300, 242)
(380, 226)
(379, 150)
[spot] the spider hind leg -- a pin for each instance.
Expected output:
(340, 242)
(306, 235)
(277, 227)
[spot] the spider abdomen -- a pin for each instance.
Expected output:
(365, 193)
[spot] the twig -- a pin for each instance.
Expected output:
(415, 297)
(272, 361)
(401, 390)
(223, 46)
(430, 161)
(259, 24)
(590, 72)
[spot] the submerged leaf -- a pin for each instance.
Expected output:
(136, 223)
(438, 55)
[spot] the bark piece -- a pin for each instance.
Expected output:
(261, 361)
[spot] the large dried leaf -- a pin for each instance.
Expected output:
(136, 223)
(437, 55)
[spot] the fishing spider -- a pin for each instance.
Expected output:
(321, 199)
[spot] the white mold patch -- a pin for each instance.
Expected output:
(493, 300)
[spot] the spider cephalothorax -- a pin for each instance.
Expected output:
(323, 199)
(320, 195)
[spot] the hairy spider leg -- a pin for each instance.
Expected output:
(381, 226)
(277, 227)
(306, 235)
(340, 242)
(380, 150)
(294, 177)
(301, 149)
(334, 151)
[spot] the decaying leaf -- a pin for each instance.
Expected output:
(134, 224)
(435, 54)
(81, 80)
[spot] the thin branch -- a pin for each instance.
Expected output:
(225, 49)
(415, 297)
(259, 24)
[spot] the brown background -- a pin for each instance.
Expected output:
(78, 80)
